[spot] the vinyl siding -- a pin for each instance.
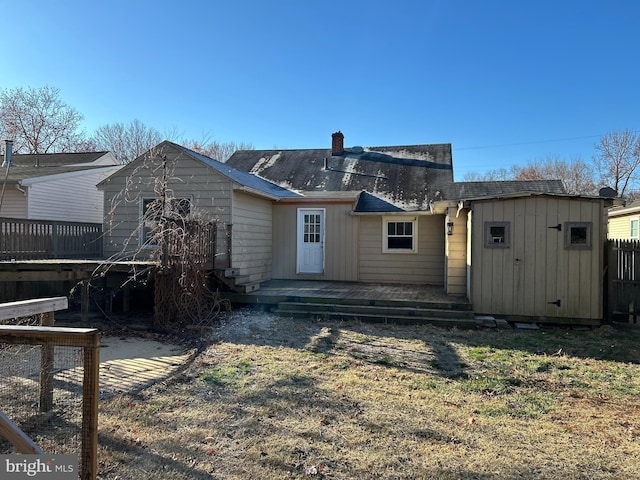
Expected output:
(340, 248)
(209, 191)
(252, 236)
(620, 226)
(72, 197)
(426, 266)
(14, 203)
(456, 254)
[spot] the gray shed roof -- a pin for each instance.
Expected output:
(406, 177)
(469, 190)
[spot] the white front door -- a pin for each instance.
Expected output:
(310, 240)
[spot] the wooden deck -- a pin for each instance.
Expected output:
(276, 291)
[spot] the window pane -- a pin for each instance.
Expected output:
(578, 235)
(496, 234)
(391, 228)
(408, 228)
(634, 228)
(405, 243)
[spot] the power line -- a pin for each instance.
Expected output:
(529, 143)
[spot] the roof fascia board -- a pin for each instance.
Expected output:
(56, 176)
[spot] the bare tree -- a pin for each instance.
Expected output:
(576, 175)
(127, 142)
(38, 121)
(489, 176)
(220, 151)
(617, 160)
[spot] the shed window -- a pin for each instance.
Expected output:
(633, 233)
(176, 208)
(496, 234)
(578, 235)
(399, 235)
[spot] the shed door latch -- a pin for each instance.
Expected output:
(557, 303)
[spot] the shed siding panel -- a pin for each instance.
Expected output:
(537, 269)
(252, 237)
(427, 266)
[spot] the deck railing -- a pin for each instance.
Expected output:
(46, 239)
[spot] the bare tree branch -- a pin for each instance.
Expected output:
(39, 122)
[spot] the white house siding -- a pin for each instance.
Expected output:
(537, 269)
(14, 203)
(187, 178)
(69, 197)
(426, 266)
(252, 237)
(340, 248)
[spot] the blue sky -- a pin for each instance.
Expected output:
(505, 82)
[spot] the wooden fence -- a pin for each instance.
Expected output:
(88, 339)
(623, 285)
(44, 239)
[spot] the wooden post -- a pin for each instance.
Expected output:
(90, 396)
(46, 367)
(17, 437)
(84, 300)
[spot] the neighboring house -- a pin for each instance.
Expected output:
(624, 222)
(55, 186)
(379, 214)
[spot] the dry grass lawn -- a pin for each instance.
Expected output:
(274, 398)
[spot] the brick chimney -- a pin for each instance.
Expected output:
(337, 143)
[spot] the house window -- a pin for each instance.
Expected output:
(176, 208)
(634, 228)
(399, 235)
(497, 234)
(578, 235)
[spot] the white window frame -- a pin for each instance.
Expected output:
(414, 234)
(637, 221)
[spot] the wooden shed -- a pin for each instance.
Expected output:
(538, 257)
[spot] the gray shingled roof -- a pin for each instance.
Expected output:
(469, 190)
(53, 159)
(406, 177)
(24, 166)
(17, 174)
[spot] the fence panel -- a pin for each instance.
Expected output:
(624, 280)
(55, 369)
(45, 239)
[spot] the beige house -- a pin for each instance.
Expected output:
(377, 214)
(624, 222)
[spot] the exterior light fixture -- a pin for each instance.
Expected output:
(449, 228)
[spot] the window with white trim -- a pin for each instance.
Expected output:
(399, 235)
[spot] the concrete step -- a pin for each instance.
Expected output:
(388, 311)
